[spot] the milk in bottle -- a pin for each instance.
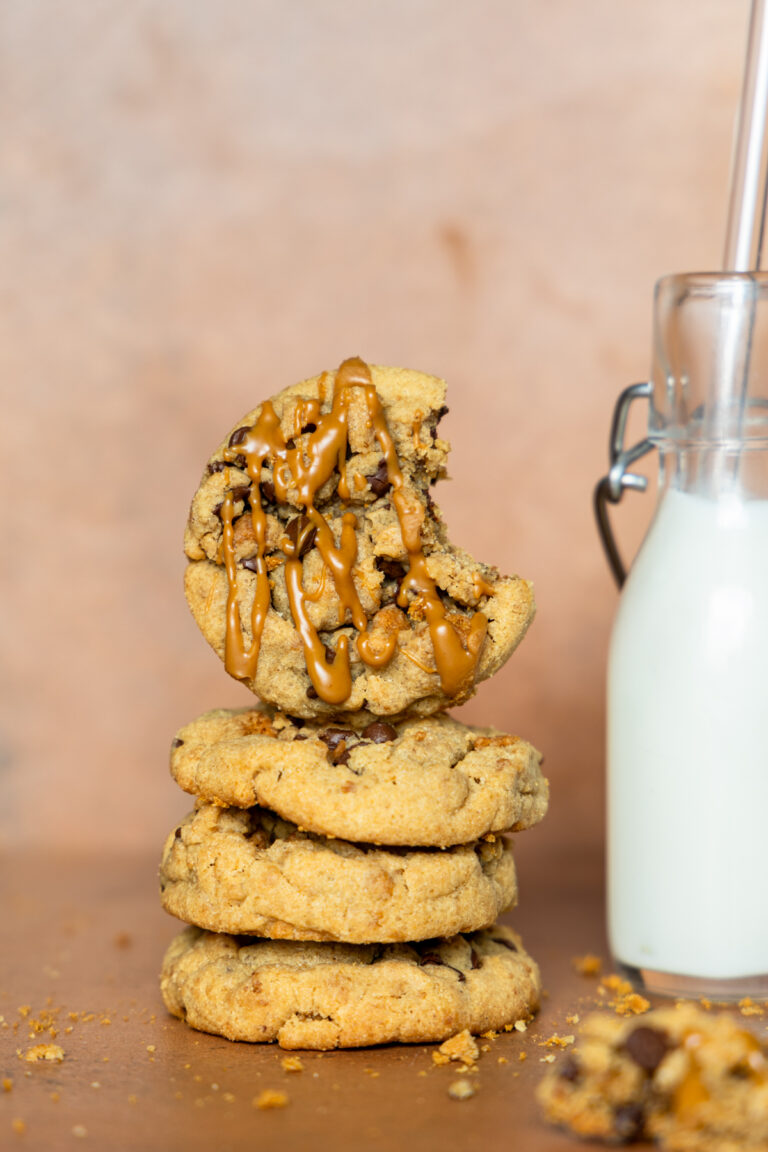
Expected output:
(688, 667)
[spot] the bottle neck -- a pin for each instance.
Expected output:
(737, 471)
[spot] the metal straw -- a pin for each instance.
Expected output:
(749, 173)
(743, 248)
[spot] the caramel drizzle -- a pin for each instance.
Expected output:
(308, 469)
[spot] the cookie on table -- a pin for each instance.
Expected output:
(421, 782)
(319, 567)
(694, 1081)
(246, 871)
(327, 996)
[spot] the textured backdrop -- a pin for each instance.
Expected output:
(203, 202)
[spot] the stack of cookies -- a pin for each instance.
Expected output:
(343, 868)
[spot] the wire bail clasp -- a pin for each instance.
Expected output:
(611, 488)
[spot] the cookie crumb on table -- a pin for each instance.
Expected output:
(37, 1052)
(587, 965)
(270, 1098)
(461, 1090)
(292, 1064)
(460, 1047)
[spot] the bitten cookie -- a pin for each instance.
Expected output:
(694, 1081)
(430, 781)
(247, 871)
(319, 567)
(346, 996)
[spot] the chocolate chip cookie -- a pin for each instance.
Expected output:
(247, 871)
(694, 1081)
(344, 995)
(319, 566)
(419, 782)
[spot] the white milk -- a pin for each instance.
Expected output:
(688, 744)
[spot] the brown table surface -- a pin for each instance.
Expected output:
(86, 936)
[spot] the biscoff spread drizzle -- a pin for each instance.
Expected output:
(307, 468)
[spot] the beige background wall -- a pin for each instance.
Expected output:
(203, 202)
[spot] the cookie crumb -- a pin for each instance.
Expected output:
(292, 1064)
(587, 965)
(269, 1098)
(18, 1126)
(520, 1026)
(461, 1047)
(123, 940)
(632, 1005)
(50, 1052)
(555, 1041)
(7, 1084)
(461, 1090)
(79, 1130)
(573, 1018)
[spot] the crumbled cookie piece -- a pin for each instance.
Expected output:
(270, 1098)
(51, 1052)
(460, 1047)
(691, 1080)
(292, 1064)
(587, 965)
(461, 1090)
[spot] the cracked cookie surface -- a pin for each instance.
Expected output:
(319, 567)
(429, 781)
(247, 871)
(693, 1081)
(326, 996)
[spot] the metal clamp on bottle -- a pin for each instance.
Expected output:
(611, 488)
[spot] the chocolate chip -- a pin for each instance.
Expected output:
(334, 736)
(301, 532)
(240, 462)
(477, 960)
(310, 427)
(432, 957)
(569, 1069)
(379, 732)
(290, 443)
(238, 436)
(340, 756)
(176, 743)
(177, 833)
(217, 466)
(296, 721)
(507, 943)
(268, 491)
(242, 492)
(251, 563)
(379, 482)
(647, 1046)
(392, 568)
(440, 413)
(311, 693)
(629, 1122)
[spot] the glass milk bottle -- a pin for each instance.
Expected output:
(688, 666)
